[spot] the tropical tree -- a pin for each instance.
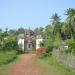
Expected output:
(70, 22)
(56, 25)
(21, 30)
(0, 30)
(12, 32)
(55, 18)
(6, 32)
(10, 43)
(39, 31)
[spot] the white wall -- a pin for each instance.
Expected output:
(21, 44)
(38, 41)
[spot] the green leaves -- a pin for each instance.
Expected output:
(10, 43)
(7, 56)
(55, 18)
(71, 45)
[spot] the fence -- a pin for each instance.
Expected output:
(67, 59)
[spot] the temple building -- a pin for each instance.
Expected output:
(29, 40)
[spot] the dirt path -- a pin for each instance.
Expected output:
(26, 66)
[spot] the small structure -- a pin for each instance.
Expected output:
(29, 40)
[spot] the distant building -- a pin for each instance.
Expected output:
(29, 40)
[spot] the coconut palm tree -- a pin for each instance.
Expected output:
(55, 18)
(55, 23)
(71, 20)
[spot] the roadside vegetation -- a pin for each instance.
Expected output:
(60, 36)
(58, 32)
(7, 56)
(54, 34)
(52, 67)
(8, 50)
(8, 47)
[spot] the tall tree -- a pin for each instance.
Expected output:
(0, 30)
(71, 20)
(21, 30)
(55, 18)
(6, 32)
(56, 25)
(12, 32)
(39, 31)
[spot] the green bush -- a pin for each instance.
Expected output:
(48, 44)
(51, 42)
(71, 45)
(7, 56)
(10, 43)
(56, 41)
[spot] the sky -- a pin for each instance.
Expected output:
(31, 13)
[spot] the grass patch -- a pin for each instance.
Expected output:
(6, 69)
(7, 56)
(53, 67)
(7, 61)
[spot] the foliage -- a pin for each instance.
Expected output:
(38, 31)
(57, 41)
(48, 44)
(51, 42)
(10, 43)
(7, 56)
(12, 32)
(55, 18)
(59, 31)
(20, 30)
(53, 33)
(53, 67)
(71, 45)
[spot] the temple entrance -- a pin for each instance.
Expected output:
(29, 41)
(29, 47)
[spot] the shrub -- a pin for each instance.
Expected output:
(56, 41)
(48, 44)
(10, 43)
(71, 45)
(52, 42)
(7, 56)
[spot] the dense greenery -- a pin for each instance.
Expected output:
(71, 44)
(7, 56)
(8, 38)
(57, 32)
(9, 45)
(54, 33)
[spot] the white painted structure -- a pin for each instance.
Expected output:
(21, 44)
(38, 41)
